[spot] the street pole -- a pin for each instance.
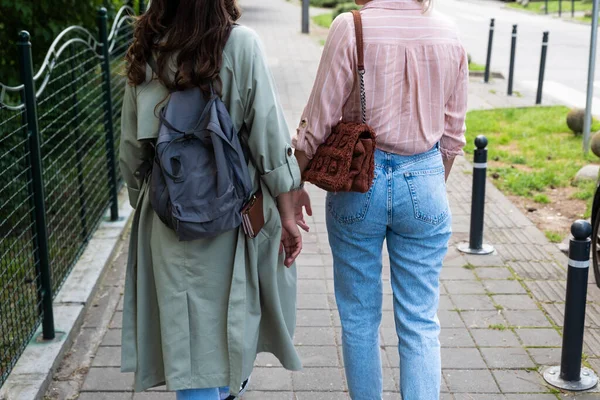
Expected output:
(538, 99)
(511, 68)
(488, 60)
(305, 16)
(587, 123)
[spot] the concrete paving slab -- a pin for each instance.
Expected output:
(473, 302)
(107, 380)
(468, 287)
(527, 318)
(509, 357)
(515, 302)
(112, 338)
(495, 338)
(493, 273)
(450, 319)
(456, 337)
(520, 381)
(546, 356)
(462, 358)
(319, 356)
(483, 319)
(107, 357)
(504, 287)
(470, 381)
(319, 379)
(539, 337)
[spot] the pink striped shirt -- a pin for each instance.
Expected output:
(416, 81)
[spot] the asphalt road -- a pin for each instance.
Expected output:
(568, 51)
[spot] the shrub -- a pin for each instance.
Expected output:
(344, 7)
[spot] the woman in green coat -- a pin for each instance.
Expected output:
(197, 313)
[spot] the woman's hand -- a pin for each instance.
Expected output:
(291, 241)
(302, 200)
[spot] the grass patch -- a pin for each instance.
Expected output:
(499, 307)
(586, 191)
(541, 198)
(469, 266)
(498, 327)
(538, 6)
(554, 237)
(531, 150)
(476, 67)
(323, 20)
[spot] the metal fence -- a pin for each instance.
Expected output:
(59, 140)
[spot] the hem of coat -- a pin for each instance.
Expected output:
(207, 381)
(290, 365)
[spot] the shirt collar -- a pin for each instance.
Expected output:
(394, 5)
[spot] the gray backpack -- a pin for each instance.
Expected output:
(200, 179)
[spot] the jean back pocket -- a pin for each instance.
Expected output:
(428, 193)
(350, 207)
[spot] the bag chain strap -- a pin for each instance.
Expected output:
(363, 97)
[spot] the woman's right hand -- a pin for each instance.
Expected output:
(291, 241)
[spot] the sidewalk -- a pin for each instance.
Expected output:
(500, 314)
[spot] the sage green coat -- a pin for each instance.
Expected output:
(197, 313)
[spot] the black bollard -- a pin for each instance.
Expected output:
(570, 375)
(538, 99)
(546, 7)
(511, 68)
(572, 8)
(305, 16)
(475, 245)
(488, 61)
(560, 8)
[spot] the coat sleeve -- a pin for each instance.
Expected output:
(132, 152)
(269, 138)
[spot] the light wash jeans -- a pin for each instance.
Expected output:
(203, 394)
(408, 207)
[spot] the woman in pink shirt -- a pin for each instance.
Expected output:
(416, 88)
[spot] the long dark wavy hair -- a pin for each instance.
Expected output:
(196, 31)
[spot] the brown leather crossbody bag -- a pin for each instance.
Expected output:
(346, 161)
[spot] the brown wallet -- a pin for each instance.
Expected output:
(253, 216)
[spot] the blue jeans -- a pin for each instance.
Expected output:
(408, 207)
(203, 394)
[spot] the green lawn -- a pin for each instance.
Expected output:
(537, 6)
(476, 67)
(531, 150)
(323, 20)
